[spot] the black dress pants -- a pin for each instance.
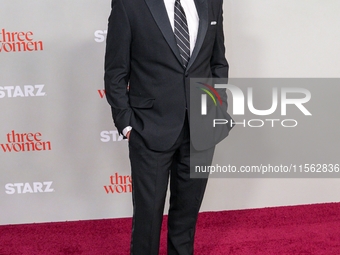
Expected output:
(151, 171)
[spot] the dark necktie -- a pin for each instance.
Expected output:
(182, 33)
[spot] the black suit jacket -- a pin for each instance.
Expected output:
(141, 52)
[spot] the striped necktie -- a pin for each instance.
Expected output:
(182, 33)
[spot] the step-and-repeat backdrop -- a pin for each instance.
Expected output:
(61, 158)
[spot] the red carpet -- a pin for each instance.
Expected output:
(293, 230)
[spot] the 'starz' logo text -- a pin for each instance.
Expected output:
(22, 91)
(23, 188)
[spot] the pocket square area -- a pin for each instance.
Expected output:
(213, 23)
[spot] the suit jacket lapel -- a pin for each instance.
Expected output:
(202, 10)
(159, 13)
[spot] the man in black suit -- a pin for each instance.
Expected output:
(147, 76)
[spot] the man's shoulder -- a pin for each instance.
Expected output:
(128, 3)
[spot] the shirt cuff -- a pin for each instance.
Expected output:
(126, 130)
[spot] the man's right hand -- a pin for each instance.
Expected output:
(128, 135)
